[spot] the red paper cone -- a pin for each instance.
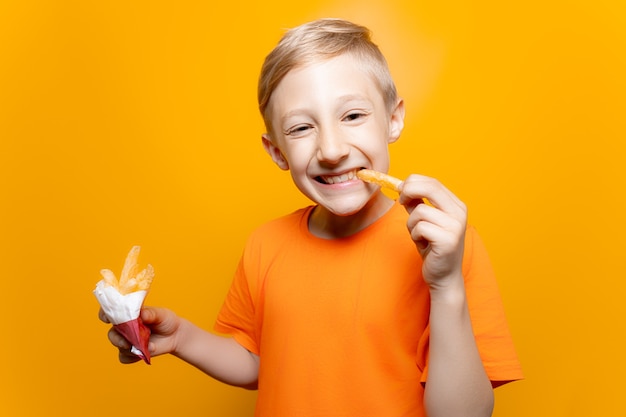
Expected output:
(138, 335)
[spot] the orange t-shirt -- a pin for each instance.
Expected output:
(341, 326)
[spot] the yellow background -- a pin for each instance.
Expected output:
(117, 117)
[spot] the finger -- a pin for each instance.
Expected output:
(411, 204)
(420, 187)
(150, 314)
(427, 223)
(160, 319)
(422, 234)
(434, 191)
(435, 236)
(426, 213)
(124, 347)
(126, 357)
(103, 317)
(117, 339)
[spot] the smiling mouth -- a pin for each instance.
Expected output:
(337, 179)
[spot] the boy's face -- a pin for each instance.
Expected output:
(329, 120)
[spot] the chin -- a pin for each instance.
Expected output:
(345, 207)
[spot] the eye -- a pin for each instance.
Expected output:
(297, 130)
(355, 115)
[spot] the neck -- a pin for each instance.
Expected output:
(327, 225)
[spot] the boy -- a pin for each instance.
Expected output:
(337, 309)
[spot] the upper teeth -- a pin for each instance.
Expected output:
(336, 179)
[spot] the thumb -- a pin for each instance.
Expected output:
(150, 315)
(160, 320)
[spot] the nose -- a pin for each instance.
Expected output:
(331, 146)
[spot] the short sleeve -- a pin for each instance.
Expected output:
(237, 315)
(491, 329)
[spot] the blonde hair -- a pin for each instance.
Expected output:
(322, 40)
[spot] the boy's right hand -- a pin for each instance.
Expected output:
(164, 325)
(438, 229)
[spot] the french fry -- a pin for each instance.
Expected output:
(130, 279)
(379, 178)
(109, 278)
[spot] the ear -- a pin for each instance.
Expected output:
(274, 152)
(396, 121)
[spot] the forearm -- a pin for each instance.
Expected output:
(457, 384)
(219, 357)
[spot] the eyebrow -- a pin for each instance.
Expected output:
(341, 99)
(352, 97)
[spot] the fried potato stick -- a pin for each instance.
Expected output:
(384, 180)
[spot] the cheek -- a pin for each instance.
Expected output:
(298, 154)
(375, 146)
(380, 156)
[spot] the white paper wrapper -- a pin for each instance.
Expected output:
(117, 307)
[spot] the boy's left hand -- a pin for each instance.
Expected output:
(438, 228)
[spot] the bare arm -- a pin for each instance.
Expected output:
(457, 384)
(219, 357)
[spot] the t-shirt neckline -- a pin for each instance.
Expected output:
(304, 225)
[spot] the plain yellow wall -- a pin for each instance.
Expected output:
(118, 118)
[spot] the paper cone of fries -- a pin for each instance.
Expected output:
(121, 300)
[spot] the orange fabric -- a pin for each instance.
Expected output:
(341, 326)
